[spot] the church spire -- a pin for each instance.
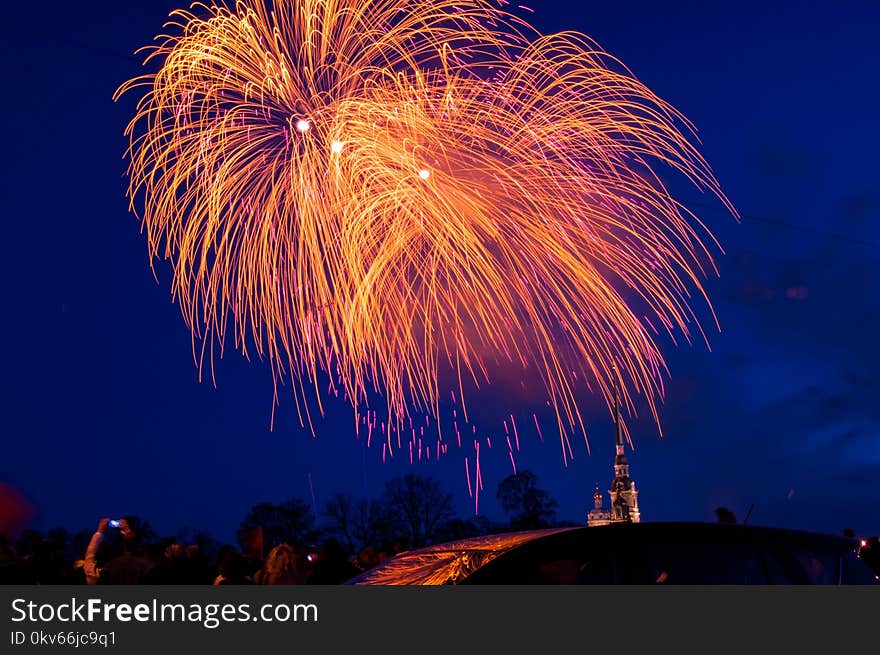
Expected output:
(624, 497)
(617, 427)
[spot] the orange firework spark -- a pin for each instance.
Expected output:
(379, 191)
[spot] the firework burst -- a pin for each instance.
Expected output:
(379, 192)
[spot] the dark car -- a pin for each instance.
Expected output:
(640, 553)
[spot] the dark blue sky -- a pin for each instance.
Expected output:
(102, 410)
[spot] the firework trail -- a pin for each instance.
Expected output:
(377, 192)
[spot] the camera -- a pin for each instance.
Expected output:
(114, 523)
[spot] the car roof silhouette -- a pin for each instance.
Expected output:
(491, 559)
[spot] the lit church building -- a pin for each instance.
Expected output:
(624, 497)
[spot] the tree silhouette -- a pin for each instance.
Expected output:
(341, 512)
(487, 525)
(289, 522)
(455, 529)
(419, 506)
(202, 539)
(366, 522)
(375, 524)
(529, 507)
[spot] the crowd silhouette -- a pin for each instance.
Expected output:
(122, 558)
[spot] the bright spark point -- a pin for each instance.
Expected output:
(424, 173)
(336, 147)
(302, 125)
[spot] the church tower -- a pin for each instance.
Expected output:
(623, 493)
(598, 515)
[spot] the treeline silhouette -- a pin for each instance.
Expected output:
(278, 543)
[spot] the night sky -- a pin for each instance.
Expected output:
(103, 413)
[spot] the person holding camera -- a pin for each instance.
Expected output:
(127, 567)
